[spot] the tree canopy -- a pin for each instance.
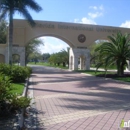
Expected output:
(60, 57)
(3, 31)
(115, 51)
(32, 50)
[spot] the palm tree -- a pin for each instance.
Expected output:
(10, 7)
(115, 51)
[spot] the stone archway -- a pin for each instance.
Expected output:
(84, 55)
(78, 36)
(20, 51)
(2, 58)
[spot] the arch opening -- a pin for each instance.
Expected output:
(62, 38)
(2, 58)
(50, 45)
(16, 59)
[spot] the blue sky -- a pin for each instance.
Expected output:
(99, 12)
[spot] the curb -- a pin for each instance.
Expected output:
(21, 115)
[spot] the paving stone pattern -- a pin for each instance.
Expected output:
(71, 101)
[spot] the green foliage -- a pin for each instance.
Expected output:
(5, 69)
(17, 88)
(19, 102)
(46, 56)
(10, 101)
(16, 73)
(19, 74)
(3, 31)
(5, 86)
(93, 53)
(29, 69)
(116, 52)
(10, 7)
(32, 51)
(60, 57)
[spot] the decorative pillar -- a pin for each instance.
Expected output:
(22, 56)
(73, 59)
(82, 63)
(75, 65)
(21, 52)
(84, 55)
(6, 56)
(87, 65)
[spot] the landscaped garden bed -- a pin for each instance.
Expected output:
(12, 84)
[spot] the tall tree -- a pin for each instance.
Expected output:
(21, 6)
(3, 31)
(32, 48)
(60, 57)
(115, 51)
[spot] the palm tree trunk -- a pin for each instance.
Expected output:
(10, 37)
(120, 70)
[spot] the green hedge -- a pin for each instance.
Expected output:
(10, 101)
(16, 73)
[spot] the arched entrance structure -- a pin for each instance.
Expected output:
(78, 36)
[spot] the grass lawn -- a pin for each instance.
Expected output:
(47, 64)
(94, 73)
(17, 88)
(110, 67)
(125, 78)
(109, 74)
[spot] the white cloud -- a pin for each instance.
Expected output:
(97, 7)
(85, 20)
(93, 7)
(97, 11)
(52, 45)
(101, 7)
(95, 15)
(126, 24)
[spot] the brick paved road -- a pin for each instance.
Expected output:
(72, 101)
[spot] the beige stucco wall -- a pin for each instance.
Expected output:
(67, 32)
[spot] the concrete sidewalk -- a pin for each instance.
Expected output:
(72, 101)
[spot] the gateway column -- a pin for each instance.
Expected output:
(73, 59)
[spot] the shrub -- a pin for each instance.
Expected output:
(17, 73)
(10, 101)
(19, 102)
(5, 69)
(5, 86)
(29, 69)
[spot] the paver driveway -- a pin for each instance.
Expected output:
(73, 101)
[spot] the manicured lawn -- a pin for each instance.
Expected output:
(17, 88)
(110, 67)
(125, 78)
(94, 73)
(47, 64)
